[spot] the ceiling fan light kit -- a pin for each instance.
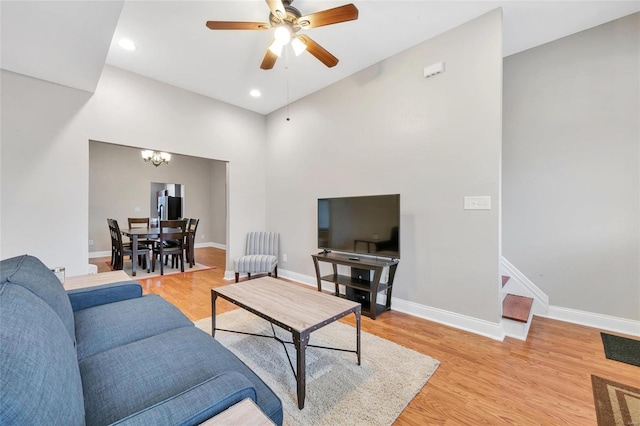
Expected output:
(298, 46)
(282, 34)
(287, 21)
(276, 48)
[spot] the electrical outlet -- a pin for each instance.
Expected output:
(90, 242)
(284, 257)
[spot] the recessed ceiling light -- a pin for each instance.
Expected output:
(255, 93)
(127, 44)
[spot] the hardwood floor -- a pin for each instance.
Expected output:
(543, 381)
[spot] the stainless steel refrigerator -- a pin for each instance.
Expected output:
(169, 208)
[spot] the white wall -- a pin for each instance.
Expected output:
(45, 134)
(389, 130)
(571, 168)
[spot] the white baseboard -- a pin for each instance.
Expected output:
(303, 279)
(451, 319)
(211, 244)
(590, 319)
(94, 254)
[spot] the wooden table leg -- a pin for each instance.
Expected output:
(134, 253)
(300, 342)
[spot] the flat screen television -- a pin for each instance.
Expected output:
(368, 225)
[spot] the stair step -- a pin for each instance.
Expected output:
(505, 278)
(516, 308)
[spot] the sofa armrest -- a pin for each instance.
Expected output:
(197, 404)
(84, 298)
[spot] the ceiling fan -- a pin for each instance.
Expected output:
(287, 21)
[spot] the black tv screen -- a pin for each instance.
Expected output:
(365, 225)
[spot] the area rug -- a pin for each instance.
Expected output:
(142, 273)
(339, 391)
(621, 349)
(616, 404)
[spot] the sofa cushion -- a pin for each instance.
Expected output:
(39, 375)
(105, 327)
(255, 263)
(197, 404)
(130, 378)
(30, 273)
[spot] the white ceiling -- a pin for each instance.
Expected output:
(66, 42)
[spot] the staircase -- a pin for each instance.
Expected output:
(521, 299)
(517, 312)
(516, 308)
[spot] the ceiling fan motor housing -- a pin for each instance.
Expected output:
(292, 18)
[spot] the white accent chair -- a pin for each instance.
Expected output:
(261, 255)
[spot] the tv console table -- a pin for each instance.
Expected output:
(358, 286)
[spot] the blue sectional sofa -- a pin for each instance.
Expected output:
(108, 355)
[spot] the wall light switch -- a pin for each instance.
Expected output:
(477, 203)
(137, 209)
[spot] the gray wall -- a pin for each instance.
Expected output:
(120, 182)
(571, 161)
(389, 130)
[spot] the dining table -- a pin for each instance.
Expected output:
(148, 233)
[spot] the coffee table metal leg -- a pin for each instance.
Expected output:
(214, 296)
(357, 312)
(300, 342)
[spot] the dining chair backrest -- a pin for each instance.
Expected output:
(173, 230)
(192, 226)
(117, 246)
(110, 225)
(138, 222)
(116, 236)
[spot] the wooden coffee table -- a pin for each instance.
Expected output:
(292, 308)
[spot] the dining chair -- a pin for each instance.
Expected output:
(120, 250)
(192, 227)
(114, 246)
(141, 222)
(171, 242)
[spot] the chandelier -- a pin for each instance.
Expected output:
(156, 158)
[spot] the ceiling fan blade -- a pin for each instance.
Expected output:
(319, 52)
(277, 8)
(269, 60)
(229, 25)
(338, 14)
